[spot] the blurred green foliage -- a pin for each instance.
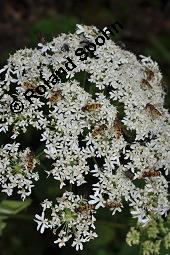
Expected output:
(9, 208)
(47, 27)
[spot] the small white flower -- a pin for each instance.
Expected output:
(46, 204)
(80, 29)
(42, 222)
(62, 242)
(78, 244)
(43, 47)
(97, 200)
(142, 218)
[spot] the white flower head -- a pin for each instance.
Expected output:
(102, 125)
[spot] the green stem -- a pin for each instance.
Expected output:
(39, 154)
(43, 166)
(140, 249)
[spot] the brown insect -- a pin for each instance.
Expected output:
(149, 73)
(98, 130)
(152, 110)
(85, 208)
(57, 96)
(29, 161)
(113, 205)
(28, 85)
(151, 173)
(145, 84)
(117, 128)
(91, 107)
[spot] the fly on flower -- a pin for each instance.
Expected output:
(149, 73)
(91, 107)
(85, 208)
(145, 84)
(98, 130)
(151, 173)
(153, 110)
(56, 96)
(29, 85)
(117, 128)
(30, 160)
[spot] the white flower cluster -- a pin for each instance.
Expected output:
(70, 217)
(15, 170)
(110, 127)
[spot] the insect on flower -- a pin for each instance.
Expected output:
(149, 73)
(113, 205)
(29, 85)
(98, 130)
(152, 110)
(145, 84)
(91, 107)
(56, 96)
(29, 160)
(151, 173)
(117, 128)
(85, 208)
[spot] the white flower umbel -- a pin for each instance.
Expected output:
(16, 170)
(70, 219)
(104, 121)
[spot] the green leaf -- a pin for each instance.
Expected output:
(12, 207)
(129, 250)
(2, 226)
(49, 26)
(106, 235)
(104, 252)
(3, 217)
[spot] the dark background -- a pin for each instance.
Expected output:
(23, 24)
